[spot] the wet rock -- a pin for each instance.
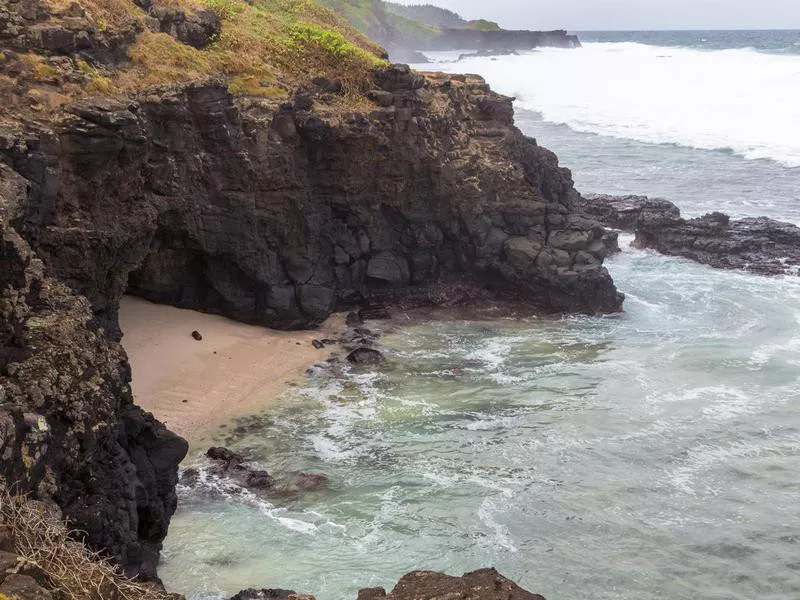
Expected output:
(375, 312)
(189, 477)
(224, 454)
(484, 584)
(758, 245)
(259, 480)
(196, 335)
(376, 593)
(354, 319)
(234, 466)
(305, 482)
(269, 594)
(23, 587)
(365, 356)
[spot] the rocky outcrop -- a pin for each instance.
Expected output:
(627, 213)
(484, 584)
(504, 39)
(277, 214)
(69, 430)
(758, 245)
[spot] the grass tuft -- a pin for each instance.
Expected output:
(72, 571)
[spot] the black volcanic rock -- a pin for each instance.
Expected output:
(365, 356)
(233, 465)
(758, 245)
(628, 212)
(269, 212)
(483, 584)
(294, 212)
(264, 594)
(69, 430)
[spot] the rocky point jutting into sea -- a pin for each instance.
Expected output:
(272, 204)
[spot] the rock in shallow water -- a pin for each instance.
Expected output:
(484, 584)
(758, 245)
(365, 356)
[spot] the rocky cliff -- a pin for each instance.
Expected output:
(217, 190)
(756, 244)
(69, 430)
(278, 214)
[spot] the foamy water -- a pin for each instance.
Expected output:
(737, 100)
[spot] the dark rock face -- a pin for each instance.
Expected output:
(69, 430)
(268, 594)
(759, 245)
(484, 584)
(196, 29)
(278, 216)
(629, 212)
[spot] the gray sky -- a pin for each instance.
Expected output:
(629, 14)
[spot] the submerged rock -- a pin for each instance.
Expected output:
(484, 584)
(365, 356)
(269, 594)
(233, 465)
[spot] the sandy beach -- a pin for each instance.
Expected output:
(194, 385)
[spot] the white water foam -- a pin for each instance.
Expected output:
(742, 101)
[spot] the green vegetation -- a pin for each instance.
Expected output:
(483, 25)
(428, 14)
(264, 48)
(375, 19)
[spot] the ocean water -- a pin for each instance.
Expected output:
(653, 454)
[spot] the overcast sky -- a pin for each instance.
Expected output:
(579, 15)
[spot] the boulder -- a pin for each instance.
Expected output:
(484, 584)
(365, 356)
(627, 213)
(23, 587)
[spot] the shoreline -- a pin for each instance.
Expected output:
(195, 385)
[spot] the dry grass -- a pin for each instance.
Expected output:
(73, 572)
(263, 45)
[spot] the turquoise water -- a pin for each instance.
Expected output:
(649, 455)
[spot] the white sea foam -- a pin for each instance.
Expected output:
(741, 101)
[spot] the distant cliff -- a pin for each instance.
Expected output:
(402, 29)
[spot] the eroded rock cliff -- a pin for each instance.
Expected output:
(274, 207)
(69, 430)
(278, 213)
